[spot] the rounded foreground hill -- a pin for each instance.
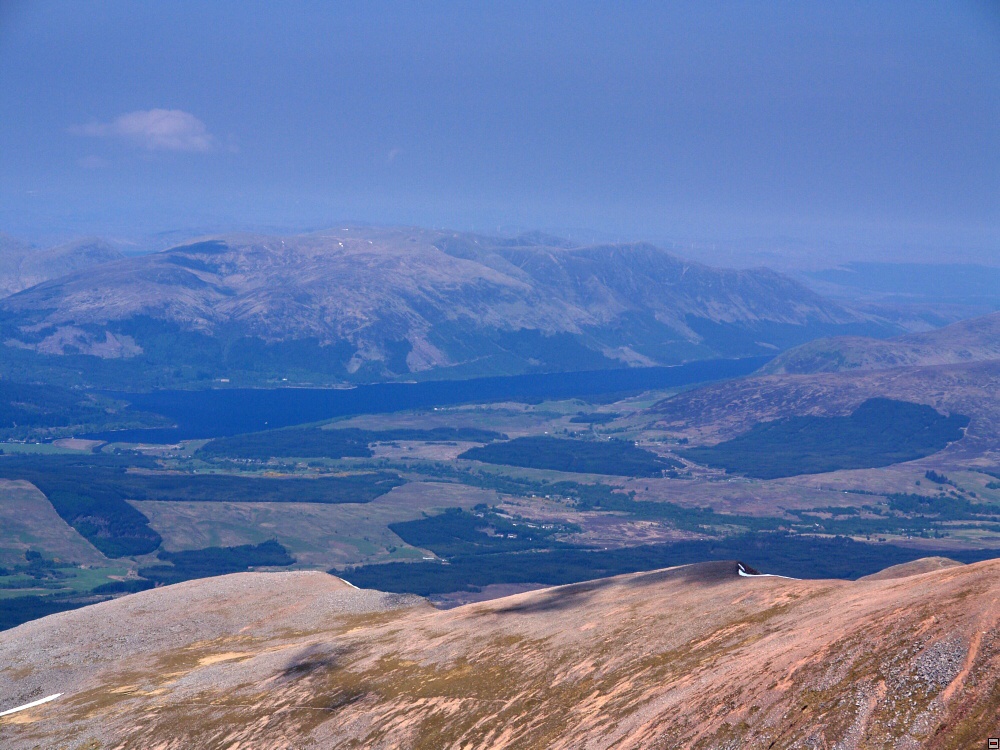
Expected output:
(699, 656)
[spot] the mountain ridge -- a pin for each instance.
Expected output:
(291, 659)
(383, 303)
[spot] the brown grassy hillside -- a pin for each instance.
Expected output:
(974, 340)
(718, 412)
(692, 657)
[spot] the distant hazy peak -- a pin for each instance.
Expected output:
(23, 265)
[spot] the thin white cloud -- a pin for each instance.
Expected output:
(154, 130)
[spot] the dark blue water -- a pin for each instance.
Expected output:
(217, 413)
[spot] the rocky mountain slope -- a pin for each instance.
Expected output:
(974, 340)
(696, 657)
(381, 303)
(22, 266)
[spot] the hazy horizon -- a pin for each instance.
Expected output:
(833, 130)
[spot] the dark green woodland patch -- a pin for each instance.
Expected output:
(91, 493)
(215, 561)
(612, 457)
(880, 432)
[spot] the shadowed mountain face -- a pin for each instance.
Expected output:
(357, 304)
(699, 656)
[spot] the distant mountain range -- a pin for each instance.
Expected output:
(367, 304)
(22, 265)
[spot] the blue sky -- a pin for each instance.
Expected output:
(710, 120)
